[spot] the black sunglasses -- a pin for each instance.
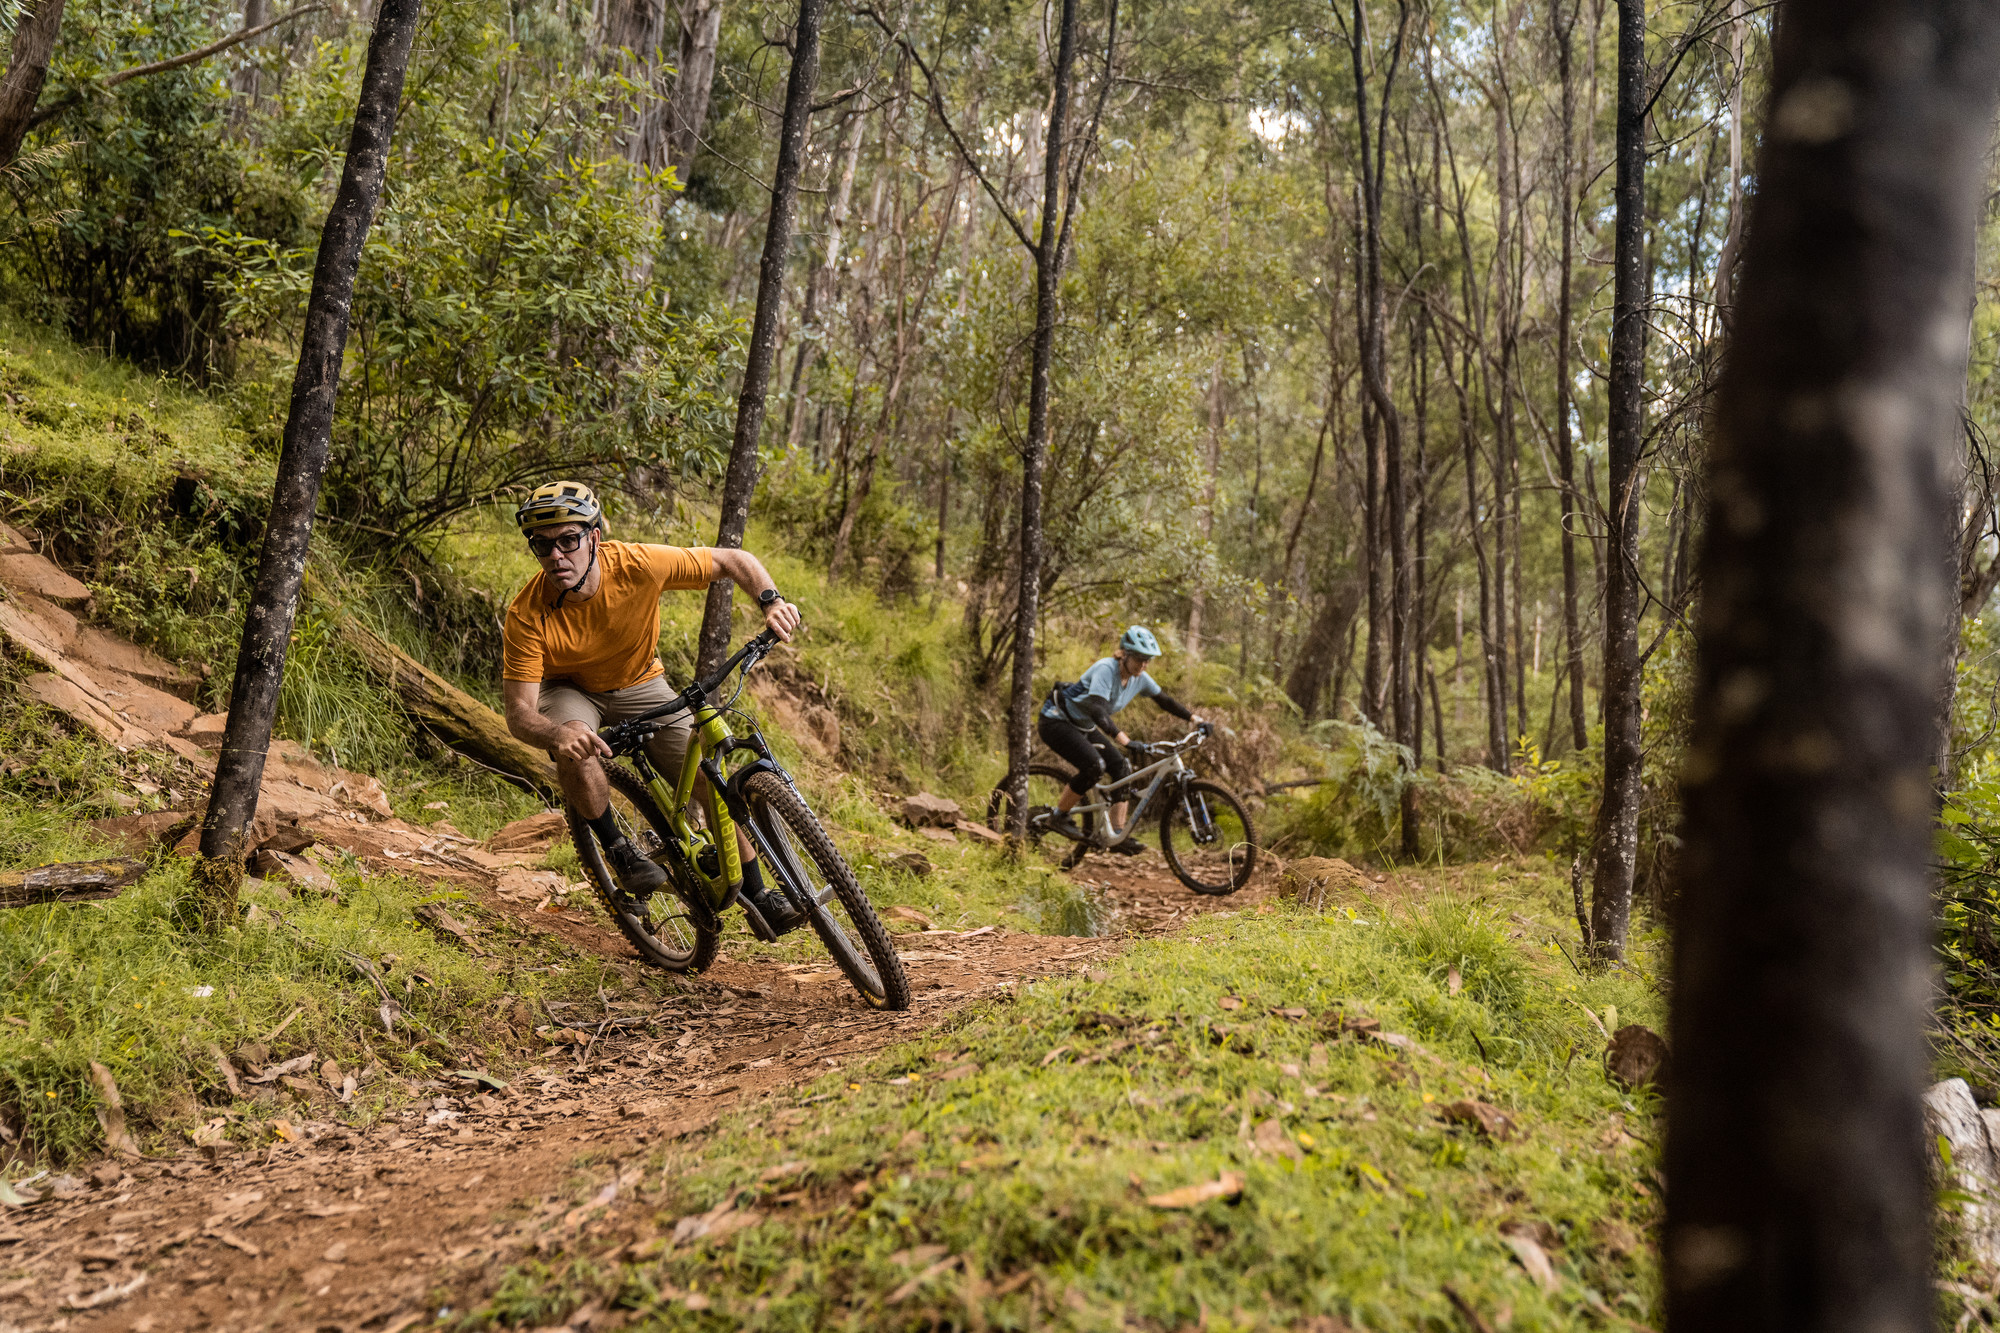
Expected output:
(546, 546)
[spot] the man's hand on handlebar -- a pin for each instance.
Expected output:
(577, 742)
(782, 619)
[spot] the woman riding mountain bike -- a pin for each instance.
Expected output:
(1076, 722)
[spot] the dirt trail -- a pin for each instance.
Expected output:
(370, 1229)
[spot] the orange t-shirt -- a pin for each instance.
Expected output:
(610, 641)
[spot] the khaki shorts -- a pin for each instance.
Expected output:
(562, 701)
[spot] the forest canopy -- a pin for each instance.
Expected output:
(1331, 396)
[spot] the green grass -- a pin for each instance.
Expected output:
(1035, 1172)
(116, 983)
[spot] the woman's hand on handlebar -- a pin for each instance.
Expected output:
(782, 619)
(577, 742)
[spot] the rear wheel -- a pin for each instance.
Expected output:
(665, 929)
(1208, 839)
(1046, 784)
(815, 876)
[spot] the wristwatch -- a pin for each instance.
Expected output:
(769, 597)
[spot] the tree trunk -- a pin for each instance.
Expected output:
(819, 287)
(1198, 596)
(27, 69)
(1798, 1196)
(247, 81)
(740, 482)
(267, 629)
(687, 108)
(1048, 290)
(1564, 28)
(1388, 420)
(1320, 652)
(1618, 815)
(449, 713)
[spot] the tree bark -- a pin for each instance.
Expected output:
(449, 713)
(1048, 291)
(1618, 814)
(1387, 418)
(740, 482)
(1564, 28)
(1320, 651)
(27, 69)
(687, 108)
(267, 629)
(1798, 1195)
(819, 286)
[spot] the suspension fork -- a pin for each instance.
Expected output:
(1201, 822)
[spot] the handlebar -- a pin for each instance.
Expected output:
(1193, 739)
(749, 655)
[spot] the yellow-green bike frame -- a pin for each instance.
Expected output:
(695, 849)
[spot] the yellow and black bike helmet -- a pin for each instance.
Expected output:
(559, 502)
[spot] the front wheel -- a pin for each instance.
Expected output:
(666, 930)
(815, 876)
(1207, 837)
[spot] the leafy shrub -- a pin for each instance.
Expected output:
(1355, 807)
(505, 326)
(146, 161)
(1059, 905)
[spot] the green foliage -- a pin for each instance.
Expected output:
(504, 326)
(890, 537)
(1968, 842)
(1059, 905)
(145, 160)
(1354, 808)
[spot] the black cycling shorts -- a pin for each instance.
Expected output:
(1091, 759)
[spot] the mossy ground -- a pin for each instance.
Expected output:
(997, 1174)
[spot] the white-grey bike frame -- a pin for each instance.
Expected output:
(1105, 795)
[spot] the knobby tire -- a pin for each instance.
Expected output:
(789, 828)
(1192, 862)
(999, 806)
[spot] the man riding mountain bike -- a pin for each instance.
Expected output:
(581, 651)
(1076, 722)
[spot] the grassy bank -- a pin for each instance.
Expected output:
(117, 984)
(999, 1174)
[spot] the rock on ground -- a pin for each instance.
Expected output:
(927, 811)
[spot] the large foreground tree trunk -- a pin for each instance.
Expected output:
(740, 483)
(267, 629)
(1618, 815)
(1795, 1161)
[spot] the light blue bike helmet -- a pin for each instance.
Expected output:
(1139, 639)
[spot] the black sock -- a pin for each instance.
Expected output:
(753, 879)
(605, 826)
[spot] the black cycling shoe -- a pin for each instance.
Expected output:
(776, 909)
(1129, 847)
(1061, 821)
(637, 875)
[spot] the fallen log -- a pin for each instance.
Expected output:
(69, 882)
(449, 713)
